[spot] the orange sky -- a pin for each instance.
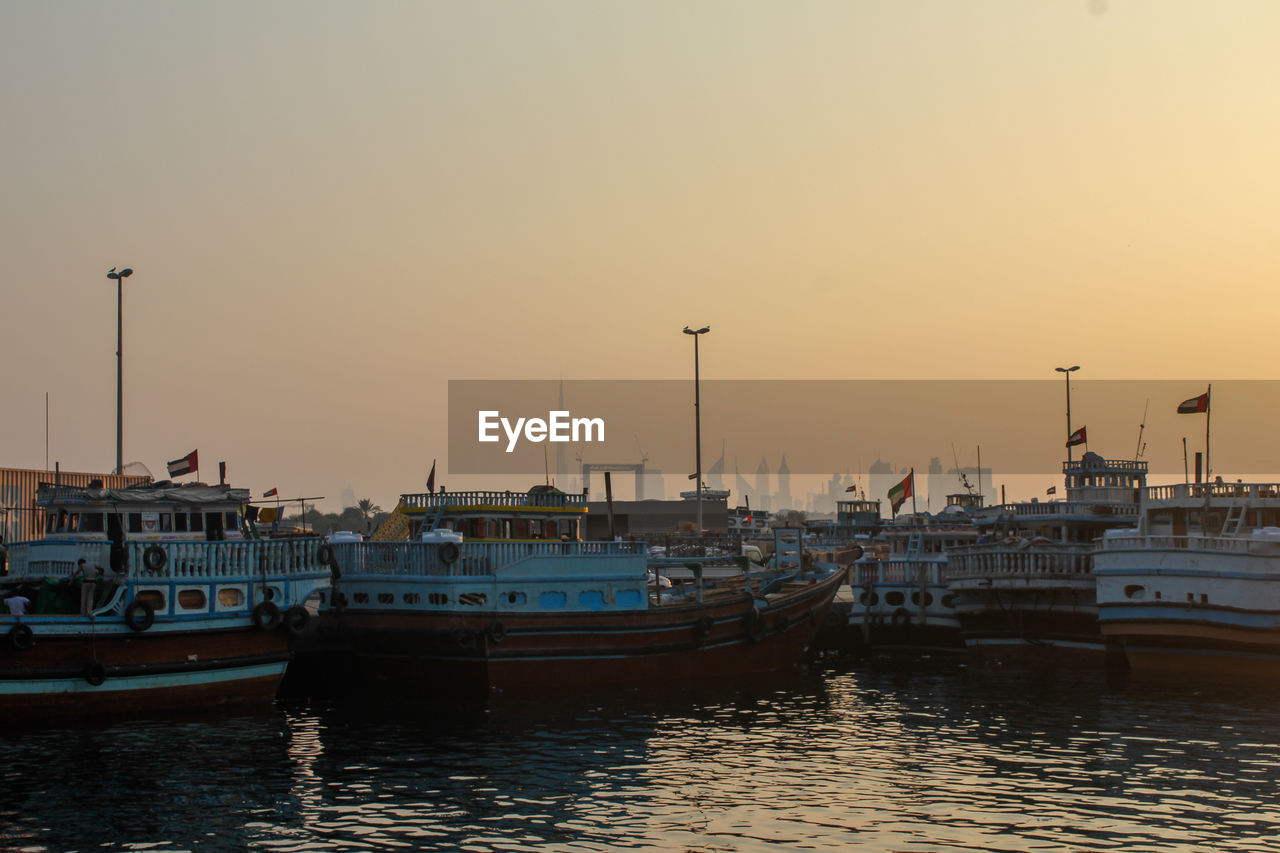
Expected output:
(334, 208)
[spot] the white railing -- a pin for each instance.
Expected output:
(897, 571)
(252, 558)
(1226, 544)
(1058, 508)
(427, 500)
(992, 560)
(473, 559)
(1200, 491)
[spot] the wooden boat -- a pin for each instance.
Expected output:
(902, 602)
(493, 591)
(184, 611)
(1026, 591)
(1194, 590)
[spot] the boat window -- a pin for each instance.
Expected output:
(386, 598)
(150, 522)
(230, 597)
(91, 522)
(154, 597)
(592, 599)
(437, 598)
(197, 522)
(232, 521)
(135, 522)
(411, 598)
(535, 528)
(51, 523)
(180, 522)
(551, 600)
(895, 598)
(166, 522)
(520, 529)
(360, 598)
(73, 522)
(192, 599)
(517, 598)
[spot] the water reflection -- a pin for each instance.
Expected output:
(931, 758)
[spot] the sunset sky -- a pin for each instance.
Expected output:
(332, 209)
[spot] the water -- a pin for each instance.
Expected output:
(846, 756)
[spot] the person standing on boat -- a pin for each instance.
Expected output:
(88, 584)
(18, 604)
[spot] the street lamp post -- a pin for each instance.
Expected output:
(1066, 374)
(119, 279)
(697, 418)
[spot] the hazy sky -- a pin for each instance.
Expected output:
(334, 208)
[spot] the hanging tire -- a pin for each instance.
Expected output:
(497, 632)
(339, 600)
(449, 553)
(901, 616)
(266, 615)
(139, 615)
(21, 637)
(154, 558)
(95, 673)
(296, 620)
(464, 638)
(705, 626)
(324, 555)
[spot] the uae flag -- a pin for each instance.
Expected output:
(1052, 490)
(1194, 405)
(185, 465)
(899, 493)
(431, 478)
(1077, 437)
(270, 493)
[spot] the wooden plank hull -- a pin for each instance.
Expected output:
(445, 652)
(83, 676)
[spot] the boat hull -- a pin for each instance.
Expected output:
(672, 644)
(91, 675)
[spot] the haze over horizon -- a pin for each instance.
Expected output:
(333, 209)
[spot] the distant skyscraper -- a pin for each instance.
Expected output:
(762, 484)
(741, 486)
(715, 474)
(783, 498)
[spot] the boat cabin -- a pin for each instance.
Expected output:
(543, 513)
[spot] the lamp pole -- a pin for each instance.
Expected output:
(1066, 374)
(119, 279)
(697, 418)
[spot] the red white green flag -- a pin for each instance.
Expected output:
(899, 493)
(1195, 405)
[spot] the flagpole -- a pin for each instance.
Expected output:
(913, 493)
(1208, 407)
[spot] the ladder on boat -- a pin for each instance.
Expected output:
(1235, 520)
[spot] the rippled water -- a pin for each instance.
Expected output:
(847, 756)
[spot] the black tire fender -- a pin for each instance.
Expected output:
(449, 553)
(139, 615)
(95, 673)
(324, 554)
(296, 620)
(266, 615)
(154, 558)
(21, 637)
(901, 616)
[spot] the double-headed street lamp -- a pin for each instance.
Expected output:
(119, 279)
(1066, 374)
(697, 418)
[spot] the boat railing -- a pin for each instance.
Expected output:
(181, 559)
(1059, 508)
(1225, 544)
(1019, 559)
(1200, 491)
(467, 559)
(897, 571)
(230, 558)
(437, 500)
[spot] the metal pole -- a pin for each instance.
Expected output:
(119, 374)
(1067, 376)
(697, 419)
